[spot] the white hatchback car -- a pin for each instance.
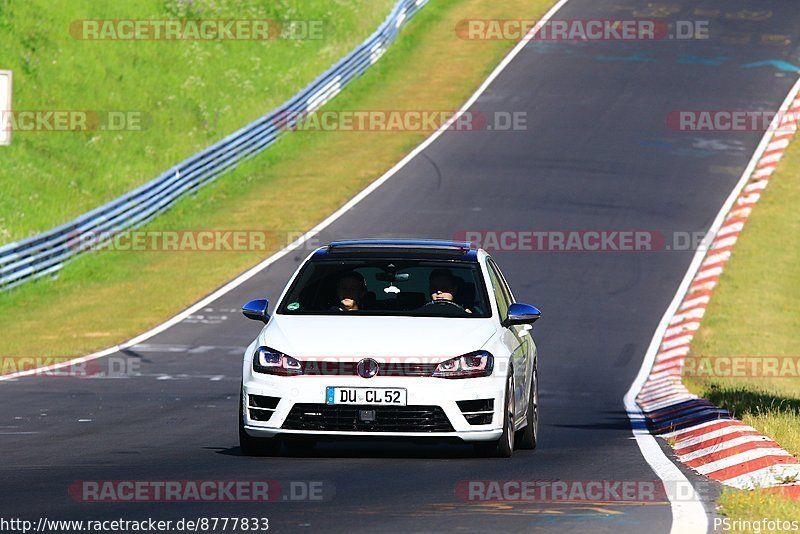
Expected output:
(392, 338)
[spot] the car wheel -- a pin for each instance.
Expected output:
(503, 447)
(528, 436)
(251, 446)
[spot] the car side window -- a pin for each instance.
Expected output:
(501, 296)
(503, 283)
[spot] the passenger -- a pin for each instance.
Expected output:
(444, 287)
(350, 291)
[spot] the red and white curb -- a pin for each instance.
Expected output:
(706, 438)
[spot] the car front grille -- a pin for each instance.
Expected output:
(342, 418)
(393, 369)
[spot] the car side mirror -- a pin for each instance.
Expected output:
(519, 313)
(256, 310)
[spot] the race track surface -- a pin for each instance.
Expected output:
(597, 155)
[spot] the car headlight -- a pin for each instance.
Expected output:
(474, 364)
(272, 362)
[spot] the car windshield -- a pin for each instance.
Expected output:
(388, 288)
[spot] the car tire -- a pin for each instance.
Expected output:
(504, 446)
(528, 436)
(252, 446)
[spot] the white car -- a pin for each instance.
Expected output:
(392, 338)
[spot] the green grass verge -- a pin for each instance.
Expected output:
(189, 93)
(754, 506)
(107, 297)
(754, 313)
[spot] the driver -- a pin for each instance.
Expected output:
(444, 287)
(350, 291)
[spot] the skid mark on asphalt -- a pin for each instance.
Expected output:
(580, 50)
(697, 147)
(558, 508)
(561, 510)
(211, 316)
(184, 376)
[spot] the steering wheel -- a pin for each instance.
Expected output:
(435, 302)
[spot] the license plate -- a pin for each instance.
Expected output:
(369, 396)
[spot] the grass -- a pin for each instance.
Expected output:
(188, 94)
(754, 313)
(290, 187)
(754, 506)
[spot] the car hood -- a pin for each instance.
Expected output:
(359, 337)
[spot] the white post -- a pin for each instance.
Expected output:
(5, 107)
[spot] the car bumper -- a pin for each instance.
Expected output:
(302, 398)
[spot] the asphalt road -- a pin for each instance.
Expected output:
(596, 155)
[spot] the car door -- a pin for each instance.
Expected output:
(515, 337)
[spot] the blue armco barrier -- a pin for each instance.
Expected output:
(46, 253)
